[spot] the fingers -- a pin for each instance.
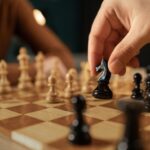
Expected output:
(52, 62)
(99, 33)
(134, 62)
(123, 53)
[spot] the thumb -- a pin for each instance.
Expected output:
(127, 49)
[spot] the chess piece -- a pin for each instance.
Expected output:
(56, 71)
(40, 79)
(88, 83)
(137, 93)
(75, 84)
(86, 87)
(69, 86)
(52, 95)
(4, 83)
(119, 83)
(24, 79)
(147, 94)
(131, 139)
(79, 134)
(103, 91)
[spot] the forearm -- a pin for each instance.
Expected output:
(40, 37)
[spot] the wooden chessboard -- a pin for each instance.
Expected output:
(29, 120)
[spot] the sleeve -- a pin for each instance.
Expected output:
(39, 37)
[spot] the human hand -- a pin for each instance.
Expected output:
(120, 29)
(51, 62)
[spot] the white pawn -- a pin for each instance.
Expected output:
(52, 95)
(75, 81)
(56, 71)
(24, 79)
(87, 87)
(40, 79)
(4, 83)
(69, 86)
(88, 83)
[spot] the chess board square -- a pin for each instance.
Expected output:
(147, 128)
(49, 114)
(23, 109)
(66, 107)
(11, 103)
(111, 104)
(28, 97)
(67, 120)
(102, 113)
(25, 94)
(95, 145)
(45, 104)
(18, 122)
(99, 102)
(5, 96)
(107, 131)
(145, 120)
(35, 136)
(120, 119)
(69, 107)
(145, 134)
(5, 114)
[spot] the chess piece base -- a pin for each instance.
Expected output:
(102, 92)
(79, 135)
(137, 94)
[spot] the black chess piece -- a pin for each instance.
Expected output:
(103, 91)
(131, 139)
(137, 93)
(147, 94)
(79, 134)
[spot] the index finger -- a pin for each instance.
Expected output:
(100, 31)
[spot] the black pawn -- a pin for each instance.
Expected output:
(79, 134)
(131, 139)
(147, 94)
(137, 93)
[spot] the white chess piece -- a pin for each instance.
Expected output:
(87, 86)
(40, 79)
(52, 95)
(24, 79)
(75, 81)
(89, 82)
(69, 86)
(4, 83)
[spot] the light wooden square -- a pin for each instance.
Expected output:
(11, 103)
(147, 128)
(102, 113)
(5, 114)
(107, 130)
(46, 104)
(49, 114)
(36, 136)
(99, 102)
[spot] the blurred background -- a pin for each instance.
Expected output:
(71, 20)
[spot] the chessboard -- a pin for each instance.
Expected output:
(27, 118)
(39, 115)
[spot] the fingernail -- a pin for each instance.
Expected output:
(116, 66)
